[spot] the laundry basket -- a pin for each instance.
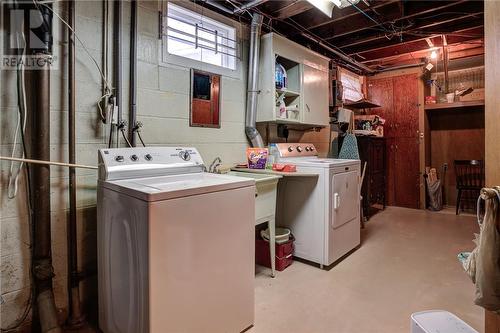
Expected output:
(438, 321)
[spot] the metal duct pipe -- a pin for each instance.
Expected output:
(75, 317)
(43, 270)
(133, 73)
(339, 54)
(237, 10)
(253, 82)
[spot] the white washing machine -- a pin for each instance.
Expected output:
(175, 244)
(323, 212)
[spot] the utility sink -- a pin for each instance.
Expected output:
(265, 194)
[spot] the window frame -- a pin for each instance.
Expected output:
(167, 58)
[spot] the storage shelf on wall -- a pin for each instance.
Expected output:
(440, 106)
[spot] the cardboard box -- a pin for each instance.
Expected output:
(476, 95)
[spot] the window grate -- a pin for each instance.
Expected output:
(189, 35)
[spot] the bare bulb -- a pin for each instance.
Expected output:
(433, 55)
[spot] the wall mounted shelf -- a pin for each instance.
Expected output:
(441, 106)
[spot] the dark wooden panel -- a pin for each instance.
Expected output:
(455, 135)
(405, 103)
(391, 174)
(406, 173)
(380, 91)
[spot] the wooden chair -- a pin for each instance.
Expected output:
(469, 177)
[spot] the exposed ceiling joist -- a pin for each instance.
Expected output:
(294, 8)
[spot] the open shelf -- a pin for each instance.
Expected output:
(440, 106)
(287, 92)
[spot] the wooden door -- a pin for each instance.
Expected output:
(406, 173)
(380, 91)
(405, 104)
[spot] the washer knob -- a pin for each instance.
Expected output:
(185, 155)
(311, 148)
(148, 157)
(290, 149)
(308, 149)
(119, 158)
(134, 157)
(299, 149)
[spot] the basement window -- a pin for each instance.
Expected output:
(192, 35)
(352, 85)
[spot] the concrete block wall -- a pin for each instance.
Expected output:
(163, 107)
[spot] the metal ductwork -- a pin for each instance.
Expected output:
(253, 81)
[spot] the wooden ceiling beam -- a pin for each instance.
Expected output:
(420, 49)
(410, 32)
(310, 21)
(337, 35)
(294, 8)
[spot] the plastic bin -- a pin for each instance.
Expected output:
(438, 321)
(284, 253)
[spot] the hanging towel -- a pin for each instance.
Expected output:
(483, 264)
(349, 149)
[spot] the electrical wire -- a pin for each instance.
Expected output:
(140, 138)
(21, 98)
(108, 88)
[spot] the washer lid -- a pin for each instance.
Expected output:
(176, 186)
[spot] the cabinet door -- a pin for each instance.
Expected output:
(380, 91)
(405, 104)
(315, 102)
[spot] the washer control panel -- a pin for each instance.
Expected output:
(122, 163)
(296, 149)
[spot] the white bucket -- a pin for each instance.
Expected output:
(282, 235)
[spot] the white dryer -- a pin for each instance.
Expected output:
(175, 244)
(323, 212)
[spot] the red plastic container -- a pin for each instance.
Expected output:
(284, 253)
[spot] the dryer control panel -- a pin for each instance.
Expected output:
(142, 162)
(296, 149)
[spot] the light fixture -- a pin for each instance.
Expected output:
(326, 6)
(433, 55)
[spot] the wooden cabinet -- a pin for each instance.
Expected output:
(315, 84)
(307, 93)
(398, 98)
(372, 150)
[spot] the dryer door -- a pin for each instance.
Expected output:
(345, 198)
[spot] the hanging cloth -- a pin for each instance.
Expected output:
(483, 264)
(349, 149)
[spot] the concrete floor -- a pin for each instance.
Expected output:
(407, 263)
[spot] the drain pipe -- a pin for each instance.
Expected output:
(117, 63)
(133, 74)
(251, 131)
(43, 270)
(75, 317)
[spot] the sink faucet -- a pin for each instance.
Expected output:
(214, 167)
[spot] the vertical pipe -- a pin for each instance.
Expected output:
(133, 73)
(117, 31)
(75, 317)
(43, 270)
(253, 82)
(445, 64)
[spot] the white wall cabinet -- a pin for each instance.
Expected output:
(315, 84)
(306, 95)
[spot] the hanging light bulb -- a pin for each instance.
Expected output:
(433, 55)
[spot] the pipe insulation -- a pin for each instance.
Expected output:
(251, 131)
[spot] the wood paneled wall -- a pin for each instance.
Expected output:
(492, 111)
(455, 134)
